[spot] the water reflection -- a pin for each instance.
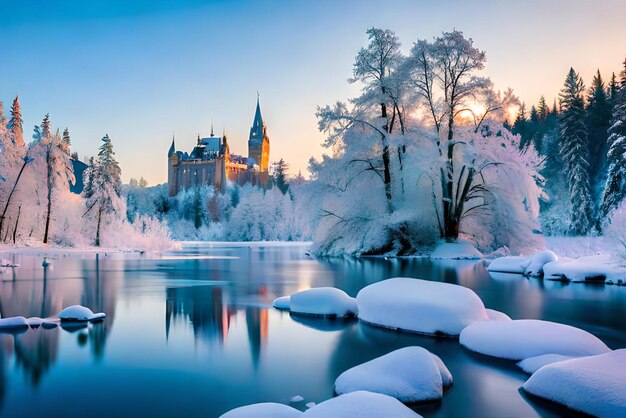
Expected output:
(197, 326)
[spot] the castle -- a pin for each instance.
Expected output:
(211, 163)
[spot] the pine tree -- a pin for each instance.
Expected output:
(46, 130)
(16, 123)
(66, 141)
(542, 109)
(143, 183)
(615, 187)
(104, 187)
(280, 175)
(520, 126)
(598, 118)
(573, 150)
(613, 88)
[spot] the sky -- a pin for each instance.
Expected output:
(142, 71)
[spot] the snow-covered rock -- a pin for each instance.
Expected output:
(297, 398)
(532, 364)
(605, 268)
(323, 301)
(410, 374)
(511, 264)
(362, 405)
(420, 306)
(13, 322)
(594, 385)
(263, 410)
(460, 250)
(524, 338)
(494, 315)
(79, 313)
(282, 303)
(535, 268)
(526, 265)
(34, 322)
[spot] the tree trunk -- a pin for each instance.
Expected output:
(19, 211)
(386, 159)
(6, 206)
(45, 234)
(98, 228)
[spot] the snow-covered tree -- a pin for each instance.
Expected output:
(574, 150)
(102, 192)
(2, 114)
(615, 187)
(598, 118)
(66, 138)
(280, 175)
(16, 123)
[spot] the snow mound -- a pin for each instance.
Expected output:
(420, 306)
(511, 264)
(524, 338)
(410, 374)
(494, 315)
(360, 404)
(297, 398)
(13, 322)
(282, 303)
(263, 410)
(605, 268)
(323, 301)
(459, 250)
(79, 313)
(34, 322)
(532, 364)
(593, 385)
(535, 268)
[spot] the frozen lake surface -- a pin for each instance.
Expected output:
(193, 334)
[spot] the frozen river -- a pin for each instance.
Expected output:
(193, 334)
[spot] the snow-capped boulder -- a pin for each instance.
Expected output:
(459, 250)
(511, 264)
(362, 405)
(420, 306)
(605, 268)
(532, 364)
(282, 303)
(524, 338)
(535, 267)
(263, 410)
(34, 322)
(13, 322)
(410, 374)
(594, 385)
(494, 315)
(79, 313)
(323, 301)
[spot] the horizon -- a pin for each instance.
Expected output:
(143, 71)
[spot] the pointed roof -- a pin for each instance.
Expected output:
(172, 150)
(256, 132)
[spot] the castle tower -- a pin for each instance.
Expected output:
(259, 142)
(172, 170)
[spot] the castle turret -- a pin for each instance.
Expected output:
(172, 169)
(259, 142)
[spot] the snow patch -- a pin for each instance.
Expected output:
(593, 385)
(532, 364)
(420, 306)
(459, 250)
(13, 322)
(360, 404)
(605, 268)
(410, 374)
(79, 313)
(511, 264)
(538, 261)
(296, 398)
(323, 301)
(263, 410)
(494, 315)
(524, 338)
(282, 303)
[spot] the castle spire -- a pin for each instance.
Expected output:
(256, 132)
(172, 150)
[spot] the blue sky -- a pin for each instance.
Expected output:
(140, 70)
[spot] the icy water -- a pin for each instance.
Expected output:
(192, 334)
